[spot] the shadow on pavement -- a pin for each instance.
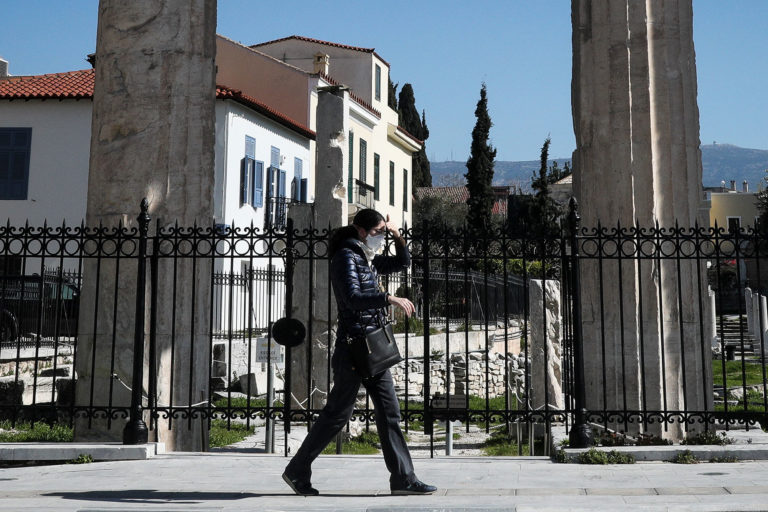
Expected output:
(152, 496)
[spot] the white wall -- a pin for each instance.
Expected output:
(58, 165)
(233, 123)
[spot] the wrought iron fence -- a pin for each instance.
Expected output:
(496, 342)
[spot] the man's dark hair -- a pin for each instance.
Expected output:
(367, 219)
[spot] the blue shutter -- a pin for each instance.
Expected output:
(303, 197)
(281, 184)
(243, 182)
(257, 183)
(274, 160)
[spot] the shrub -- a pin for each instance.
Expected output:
(83, 458)
(723, 459)
(685, 457)
(595, 456)
(708, 437)
(651, 440)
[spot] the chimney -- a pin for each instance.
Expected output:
(745, 186)
(3, 68)
(733, 185)
(322, 62)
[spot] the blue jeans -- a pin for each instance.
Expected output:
(337, 411)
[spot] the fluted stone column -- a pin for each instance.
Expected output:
(636, 122)
(152, 136)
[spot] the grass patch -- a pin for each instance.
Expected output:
(595, 456)
(243, 402)
(733, 373)
(501, 444)
(686, 457)
(367, 443)
(37, 433)
(220, 435)
(716, 460)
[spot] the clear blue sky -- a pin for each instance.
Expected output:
(520, 48)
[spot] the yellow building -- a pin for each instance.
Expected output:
(730, 208)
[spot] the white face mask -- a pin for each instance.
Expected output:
(375, 243)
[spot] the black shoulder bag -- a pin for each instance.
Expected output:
(376, 352)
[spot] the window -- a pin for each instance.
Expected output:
(350, 174)
(405, 190)
(392, 183)
(734, 224)
(363, 161)
(377, 85)
(251, 176)
(15, 145)
(375, 177)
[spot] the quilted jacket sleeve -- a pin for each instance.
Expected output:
(397, 263)
(344, 273)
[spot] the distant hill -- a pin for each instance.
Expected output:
(721, 162)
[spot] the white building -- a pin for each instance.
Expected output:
(287, 73)
(263, 157)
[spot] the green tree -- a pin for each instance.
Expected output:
(544, 213)
(417, 126)
(392, 95)
(762, 206)
(480, 168)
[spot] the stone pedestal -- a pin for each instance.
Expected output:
(546, 331)
(152, 136)
(313, 300)
(750, 309)
(637, 135)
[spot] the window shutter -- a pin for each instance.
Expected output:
(405, 190)
(351, 174)
(375, 177)
(243, 182)
(297, 175)
(392, 183)
(257, 183)
(303, 197)
(281, 184)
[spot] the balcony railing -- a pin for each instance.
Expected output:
(363, 194)
(276, 215)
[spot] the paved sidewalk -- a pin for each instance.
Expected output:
(245, 482)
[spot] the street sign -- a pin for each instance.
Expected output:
(453, 402)
(265, 349)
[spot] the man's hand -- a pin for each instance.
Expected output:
(403, 303)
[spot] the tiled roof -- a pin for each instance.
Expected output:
(328, 43)
(71, 85)
(79, 85)
(409, 135)
(223, 92)
(461, 194)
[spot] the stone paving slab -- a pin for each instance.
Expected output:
(18, 452)
(244, 482)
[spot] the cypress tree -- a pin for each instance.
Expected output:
(416, 126)
(545, 212)
(392, 95)
(480, 169)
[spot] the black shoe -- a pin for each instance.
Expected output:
(415, 487)
(299, 487)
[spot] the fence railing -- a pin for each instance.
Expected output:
(622, 330)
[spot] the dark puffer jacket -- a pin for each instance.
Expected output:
(355, 285)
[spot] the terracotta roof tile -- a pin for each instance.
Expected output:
(409, 134)
(460, 194)
(71, 85)
(328, 43)
(79, 85)
(223, 92)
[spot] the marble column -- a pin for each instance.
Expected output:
(636, 122)
(152, 136)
